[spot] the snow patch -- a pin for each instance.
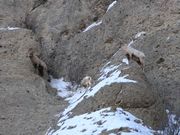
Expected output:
(79, 92)
(168, 38)
(9, 28)
(65, 90)
(92, 25)
(62, 87)
(125, 60)
(139, 34)
(106, 70)
(173, 127)
(109, 74)
(131, 43)
(102, 120)
(111, 5)
(13, 28)
(112, 134)
(114, 77)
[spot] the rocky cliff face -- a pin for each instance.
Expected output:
(57, 28)
(26, 106)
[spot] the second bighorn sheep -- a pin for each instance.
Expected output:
(134, 54)
(38, 64)
(86, 81)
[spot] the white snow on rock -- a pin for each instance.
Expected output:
(13, 28)
(111, 5)
(114, 77)
(167, 39)
(9, 28)
(95, 122)
(130, 43)
(62, 87)
(92, 25)
(65, 90)
(109, 74)
(139, 34)
(107, 69)
(125, 60)
(173, 127)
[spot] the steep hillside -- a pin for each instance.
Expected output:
(76, 38)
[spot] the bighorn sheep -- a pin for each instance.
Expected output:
(38, 64)
(134, 54)
(86, 81)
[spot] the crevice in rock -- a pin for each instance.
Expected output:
(117, 95)
(38, 3)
